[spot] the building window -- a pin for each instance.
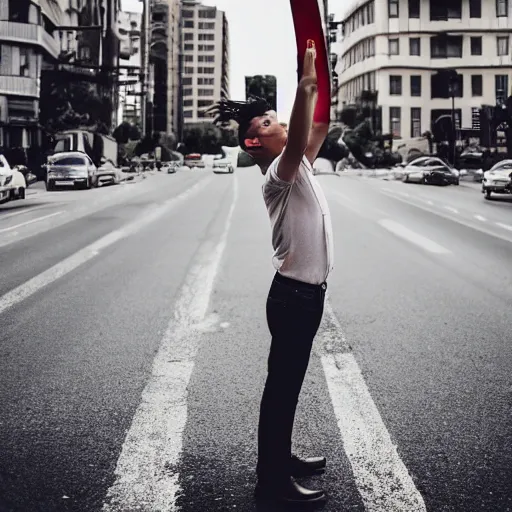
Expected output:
(475, 8)
(415, 122)
(189, 70)
(206, 47)
(206, 37)
(476, 85)
(188, 23)
(187, 14)
(394, 46)
(208, 25)
(187, 92)
(394, 121)
(415, 85)
(442, 47)
(205, 81)
(476, 45)
(186, 80)
(206, 58)
(449, 9)
(501, 8)
(24, 62)
(440, 85)
(210, 13)
(371, 12)
(206, 71)
(205, 92)
(393, 8)
(204, 103)
(189, 58)
(475, 118)
(188, 103)
(501, 88)
(414, 8)
(395, 85)
(189, 47)
(189, 36)
(414, 46)
(188, 114)
(502, 44)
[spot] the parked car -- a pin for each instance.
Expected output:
(430, 171)
(12, 182)
(70, 169)
(107, 174)
(194, 160)
(471, 163)
(170, 167)
(498, 179)
(223, 165)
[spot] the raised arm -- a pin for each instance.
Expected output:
(301, 120)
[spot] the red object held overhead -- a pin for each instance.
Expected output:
(307, 21)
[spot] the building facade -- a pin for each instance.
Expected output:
(28, 39)
(164, 108)
(396, 47)
(205, 59)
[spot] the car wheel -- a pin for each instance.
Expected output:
(487, 194)
(88, 183)
(50, 186)
(21, 193)
(423, 180)
(405, 178)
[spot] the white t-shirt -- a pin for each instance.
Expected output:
(301, 225)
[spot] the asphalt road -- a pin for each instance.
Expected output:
(133, 347)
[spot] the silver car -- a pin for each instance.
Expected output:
(498, 179)
(70, 169)
(430, 170)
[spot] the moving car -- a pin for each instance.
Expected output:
(70, 169)
(431, 171)
(12, 182)
(498, 179)
(471, 163)
(194, 160)
(223, 165)
(170, 167)
(107, 174)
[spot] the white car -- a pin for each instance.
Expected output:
(70, 169)
(430, 170)
(12, 182)
(498, 179)
(223, 165)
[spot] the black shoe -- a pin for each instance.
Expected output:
(307, 467)
(288, 493)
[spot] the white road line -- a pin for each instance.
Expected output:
(412, 237)
(480, 218)
(381, 477)
(39, 219)
(21, 211)
(508, 227)
(147, 477)
(451, 209)
(74, 261)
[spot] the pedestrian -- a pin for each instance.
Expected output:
(303, 255)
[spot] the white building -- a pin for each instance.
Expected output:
(205, 46)
(395, 47)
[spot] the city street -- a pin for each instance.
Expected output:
(133, 346)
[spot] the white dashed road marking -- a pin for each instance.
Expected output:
(451, 209)
(508, 227)
(74, 261)
(147, 477)
(39, 219)
(412, 237)
(382, 479)
(480, 218)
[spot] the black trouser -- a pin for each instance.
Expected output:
(294, 312)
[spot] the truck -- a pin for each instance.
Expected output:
(100, 148)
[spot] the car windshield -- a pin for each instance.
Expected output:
(70, 160)
(503, 167)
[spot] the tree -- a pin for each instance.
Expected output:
(126, 132)
(68, 103)
(262, 86)
(204, 138)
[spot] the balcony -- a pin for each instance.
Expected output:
(11, 31)
(19, 86)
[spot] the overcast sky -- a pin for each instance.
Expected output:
(261, 42)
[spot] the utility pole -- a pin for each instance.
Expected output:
(146, 36)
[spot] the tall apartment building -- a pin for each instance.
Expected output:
(395, 47)
(164, 111)
(27, 39)
(205, 59)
